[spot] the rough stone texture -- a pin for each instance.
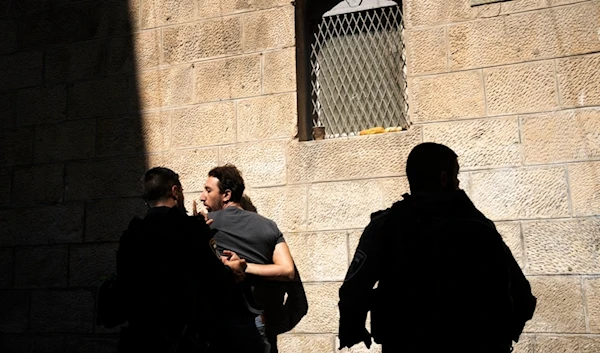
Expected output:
(108, 96)
(20, 70)
(202, 40)
(427, 51)
(511, 234)
(561, 136)
(105, 220)
(159, 13)
(549, 33)
(261, 163)
(526, 344)
(591, 287)
(191, 165)
(7, 267)
(353, 240)
(41, 225)
(8, 43)
(323, 315)
(39, 183)
(351, 158)
(75, 62)
(285, 205)
(583, 344)
(133, 135)
(64, 141)
(267, 117)
(419, 13)
(320, 256)
(485, 143)
(213, 8)
(14, 311)
(578, 80)
(166, 87)
(393, 189)
(584, 180)
(269, 29)
(8, 105)
(521, 193)
(16, 146)
(559, 305)
(5, 185)
(41, 105)
(89, 262)
(291, 343)
(103, 178)
(62, 311)
(92, 344)
(280, 71)
(447, 97)
(521, 88)
(207, 124)
(41, 267)
(228, 78)
(563, 247)
(137, 52)
(33, 344)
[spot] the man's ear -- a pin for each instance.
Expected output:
(226, 196)
(175, 192)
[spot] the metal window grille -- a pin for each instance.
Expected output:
(358, 72)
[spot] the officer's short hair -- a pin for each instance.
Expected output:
(426, 162)
(157, 184)
(229, 178)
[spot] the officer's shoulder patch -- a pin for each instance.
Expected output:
(213, 247)
(356, 264)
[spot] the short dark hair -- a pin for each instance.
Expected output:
(231, 179)
(247, 204)
(426, 162)
(157, 184)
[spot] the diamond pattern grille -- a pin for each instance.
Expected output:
(358, 72)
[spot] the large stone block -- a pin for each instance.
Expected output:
(104, 178)
(215, 8)
(511, 234)
(108, 96)
(38, 183)
(23, 69)
(322, 316)
(483, 143)
(584, 180)
(191, 165)
(75, 62)
(427, 50)
(447, 97)
(204, 125)
(105, 220)
(14, 311)
(592, 292)
(65, 141)
(268, 29)
(90, 262)
(166, 87)
(279, 73)
(16, 146)
(521, 193)
(267, 117)
(578, 80)
(419, 13)
(331, 261)
(202, 40)
(285, 205)
(5, 185)
(41, 105)
(41, 267)
(157, 13)
(7, 267)
(521, 88)
(98, 344)
(62, 311)
(228, 78)
(8, 110)
(137, 52)
(561, 136)
(559, 305)
(351, 158)
(32, 343)
(580, 343)
(42, 225)
(8, 43)
(149, 132)
(562, 247)
(291, 343)
(261, 163)
(550, 33)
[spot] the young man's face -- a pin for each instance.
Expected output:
(211, 196)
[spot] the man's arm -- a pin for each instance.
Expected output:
(282, 268)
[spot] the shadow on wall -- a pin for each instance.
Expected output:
(71, 155)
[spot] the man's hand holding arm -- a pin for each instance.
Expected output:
(282, 268)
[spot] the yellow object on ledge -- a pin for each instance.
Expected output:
(379, 130)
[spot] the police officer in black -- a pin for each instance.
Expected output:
(173, 285)
(446, 280)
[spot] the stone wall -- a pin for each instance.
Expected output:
(512, 87)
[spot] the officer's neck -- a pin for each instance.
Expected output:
(232, 204)
(165, 203)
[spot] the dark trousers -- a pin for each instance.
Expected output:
(236, 335)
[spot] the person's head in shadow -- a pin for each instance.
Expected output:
(432, 167)
(161, 188)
